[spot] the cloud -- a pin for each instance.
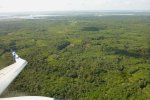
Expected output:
(57, 5)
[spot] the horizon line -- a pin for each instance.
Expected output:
(77, 11)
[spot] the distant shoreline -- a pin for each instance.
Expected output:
(38, 15)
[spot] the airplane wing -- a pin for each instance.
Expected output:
(29, 98)
(9, 73)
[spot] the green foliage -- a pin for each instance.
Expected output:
(80, 58)
(92, 28)
(62, 44)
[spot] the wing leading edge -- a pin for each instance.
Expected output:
(9, 73)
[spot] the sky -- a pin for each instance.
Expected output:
(72, 5)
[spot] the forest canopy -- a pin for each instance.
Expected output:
(80, 58)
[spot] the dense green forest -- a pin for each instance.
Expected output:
(80, 58)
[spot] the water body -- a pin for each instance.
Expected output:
(26, 16)
(60, 14)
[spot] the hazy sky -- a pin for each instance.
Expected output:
(67, 5)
